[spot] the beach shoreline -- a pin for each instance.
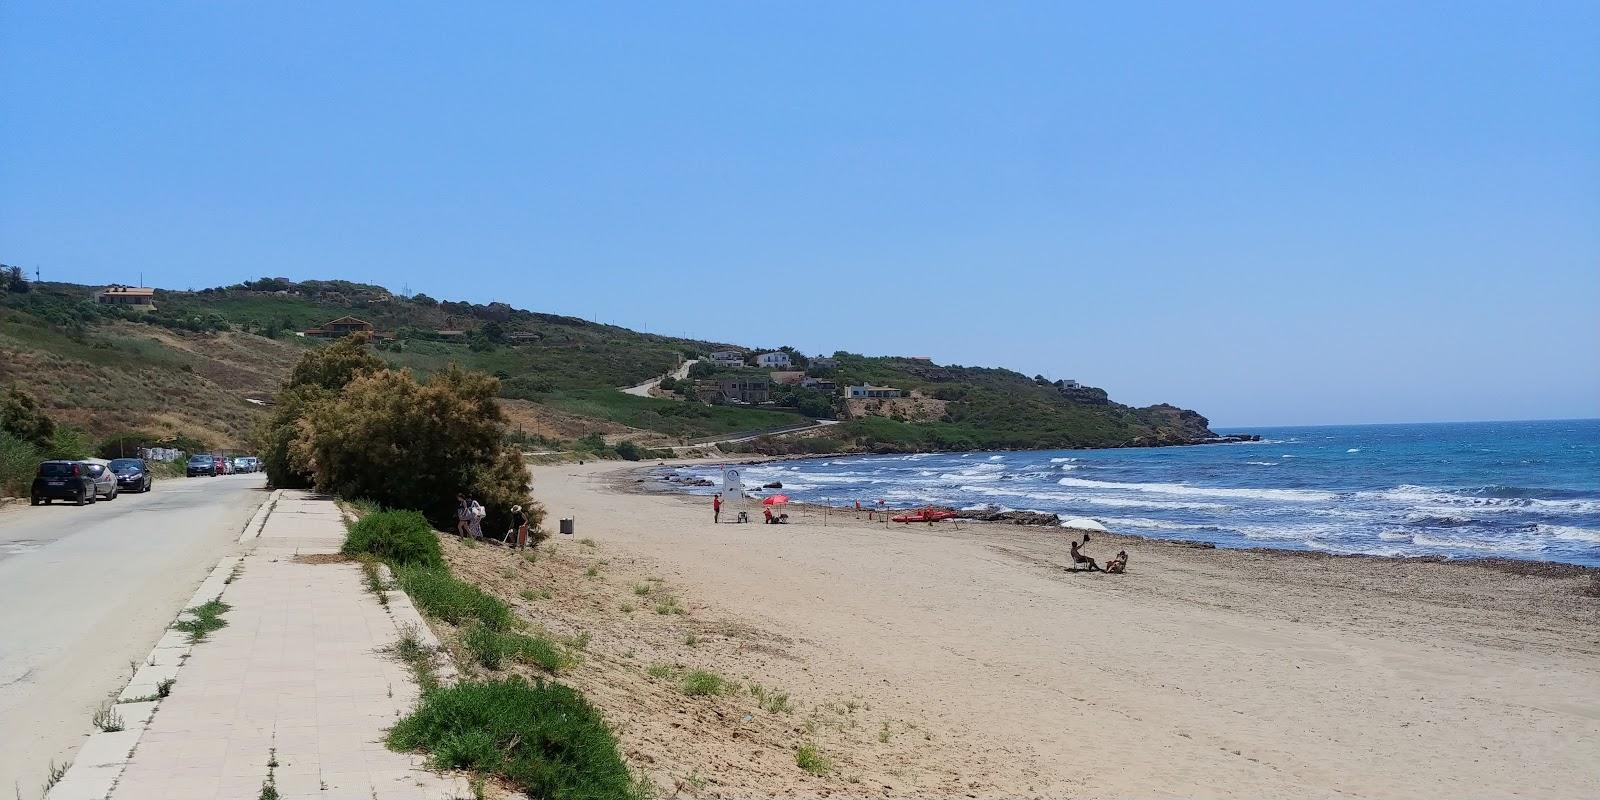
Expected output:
(1200, 673)
(643, 480)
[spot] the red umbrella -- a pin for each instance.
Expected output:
(776, 500)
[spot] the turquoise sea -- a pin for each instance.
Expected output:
(1525, 490)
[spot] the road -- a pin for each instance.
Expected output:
(84, 591)
(643, 389)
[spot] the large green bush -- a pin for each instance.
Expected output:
(542, 737)
(399, 537)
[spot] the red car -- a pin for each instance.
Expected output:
(219, 466)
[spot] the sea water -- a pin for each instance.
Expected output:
(1526, 490)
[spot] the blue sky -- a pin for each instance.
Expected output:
(1340, 212)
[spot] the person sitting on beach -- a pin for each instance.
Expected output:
(1079, 559)
(1118, 565)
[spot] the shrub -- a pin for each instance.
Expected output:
(399, 537)
(21, 417)
(542, 737)
(440, 594)
(628, 451)
(700, 682)
(812, 761)
(18, 461)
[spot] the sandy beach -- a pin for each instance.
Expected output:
(1199, 673)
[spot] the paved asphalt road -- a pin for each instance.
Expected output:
(84, 591)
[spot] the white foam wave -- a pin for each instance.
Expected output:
(1395, 536)
(1062, 460)
(1154, 524)
(1289, 495)
(1436, 497)
(1502, 545)
(1069, 499)
(1571, 533)
(1264, 463)
(997, 458)
(1353, 450)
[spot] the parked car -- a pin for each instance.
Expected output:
(201, 465)
(105, 481)
(243, 464)
(219, 466)
(63, 480)
(132, 474)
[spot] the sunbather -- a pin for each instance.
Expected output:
(1118, 565)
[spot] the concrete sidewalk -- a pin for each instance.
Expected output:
(299, 677)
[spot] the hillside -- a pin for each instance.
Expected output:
(194, 365)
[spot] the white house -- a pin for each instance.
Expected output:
(774, 360)
(727, 358)
(864, 391)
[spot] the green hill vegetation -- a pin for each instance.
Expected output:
(202, 363)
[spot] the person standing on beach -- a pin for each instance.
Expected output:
(716, 508)
(518, 535)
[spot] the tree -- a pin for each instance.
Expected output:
(21, 417)
(335, 365)
(410, 444)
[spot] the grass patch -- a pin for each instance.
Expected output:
(402, 538)
(164, 688)
(660, 671)
(770, 701)
(543, 738)
(642, 589)
(587, 542)
(441, 595)
(691, 640)
(108, 719)
(207, 618)
(418, 657)
(493, 648)
(53, 776)
(373, 577)
(592, 572)
(668, 605)
(699, 683)
(811, 760)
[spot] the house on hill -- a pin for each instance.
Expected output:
(343, 326)
(727, 358)
(774, 360)
(135, 298)
(745, 389)
(875, 392)
(788, 378)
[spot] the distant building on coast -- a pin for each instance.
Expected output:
(135, 298)
(825, 362)
(1068, 384)
(788, 378)
(341, 327)
(745, 390)
(774, 360)
(873, 392)
(727, 358)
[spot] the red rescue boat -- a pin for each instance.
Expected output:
(923, 515)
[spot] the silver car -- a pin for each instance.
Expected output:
(105, 481)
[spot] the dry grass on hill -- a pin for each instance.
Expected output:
(703, 705)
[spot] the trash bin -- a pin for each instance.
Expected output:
(566, 526)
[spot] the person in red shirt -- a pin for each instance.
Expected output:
(716, 507)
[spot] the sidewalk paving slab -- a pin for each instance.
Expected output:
(299, 675)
